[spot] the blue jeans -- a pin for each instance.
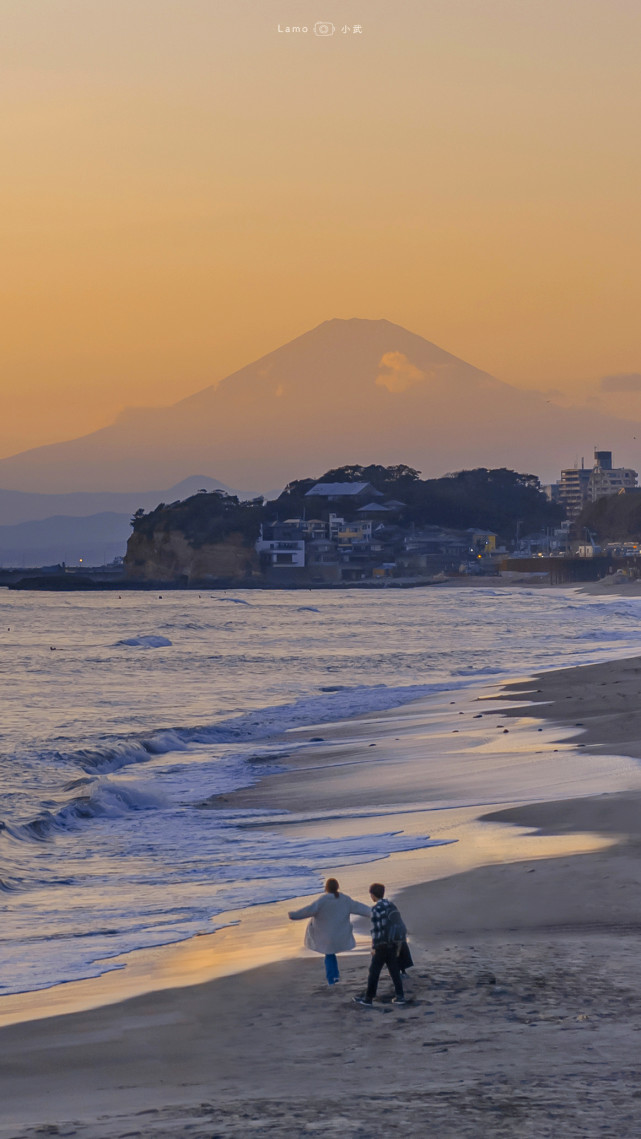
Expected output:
(331, 968)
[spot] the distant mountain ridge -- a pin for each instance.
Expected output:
(24, 506)
(44, 529)
(95, 540)
(347, 391)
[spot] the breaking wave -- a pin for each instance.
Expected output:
(101, 799)
(145, 641)
(338, 703)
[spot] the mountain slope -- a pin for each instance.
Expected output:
(95, 540)
(347, 391)
(23, 506)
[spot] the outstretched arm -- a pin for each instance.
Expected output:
(306, 912)
(360, 908)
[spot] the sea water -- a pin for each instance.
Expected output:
(122, 714)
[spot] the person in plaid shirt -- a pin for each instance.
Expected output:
(384, 951)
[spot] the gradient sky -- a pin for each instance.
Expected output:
(185, 189)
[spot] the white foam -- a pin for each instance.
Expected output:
(146, 641)
(84, 724)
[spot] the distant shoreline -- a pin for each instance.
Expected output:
(71, 583)
(77, 584)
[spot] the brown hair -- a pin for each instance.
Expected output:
(377, 890)
(331, 887)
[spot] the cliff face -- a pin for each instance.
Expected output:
(167, 555)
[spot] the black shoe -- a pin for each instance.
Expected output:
(362, 1001)
(399, 1001)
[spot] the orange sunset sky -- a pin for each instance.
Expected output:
(185, 188)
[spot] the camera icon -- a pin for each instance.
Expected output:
(323, 28)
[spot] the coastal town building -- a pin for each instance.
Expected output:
(322, 552)
(355, 533)
(375, 509)
(351, 532)
(433, 550)
(482, 541)
(433, 540)
(333, 491)
(334, 526)
(606, 479)
(579, 485)
(282, 552)
(313, 528)
(574, 490)
(553, 541)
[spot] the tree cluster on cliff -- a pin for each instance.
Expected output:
(495, 500)
(205, 518)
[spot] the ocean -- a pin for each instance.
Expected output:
(121, 714)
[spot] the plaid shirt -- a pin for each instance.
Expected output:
(380, 922)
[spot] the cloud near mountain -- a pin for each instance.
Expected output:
(400, 373)
(347, 391)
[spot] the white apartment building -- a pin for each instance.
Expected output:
(606, 479)
(579, 485)
(283, 551)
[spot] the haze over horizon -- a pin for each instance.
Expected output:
(186, 190)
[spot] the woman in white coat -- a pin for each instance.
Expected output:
(330, 930)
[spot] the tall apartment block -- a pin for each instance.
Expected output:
(606, 479)
(579, 485)
(574, 490)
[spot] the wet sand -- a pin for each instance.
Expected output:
(525, 1006)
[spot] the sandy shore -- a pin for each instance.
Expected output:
(526, 999)
(616, 584)
(599, 706)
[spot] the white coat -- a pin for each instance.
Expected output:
(330, 930)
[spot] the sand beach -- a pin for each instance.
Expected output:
(525, 1006)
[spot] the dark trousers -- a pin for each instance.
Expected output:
(331, 969)
(384, 955)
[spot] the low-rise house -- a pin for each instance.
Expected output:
(361, 553)
(482, 541)
(320, 551)
(436, 541)
(544, 542)
(289, 530)
(281, 544)
(532, 544)
(291, 527)
(313, 528)
(334, 526)
(386, 569)
(335, 491)
(282, 552)
(375, 510)
(353, 533)
(434, 550)
(322, 560)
